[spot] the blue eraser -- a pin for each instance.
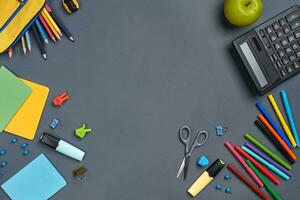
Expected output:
(203, 161)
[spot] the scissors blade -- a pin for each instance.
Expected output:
(181, 167)
(186, 166)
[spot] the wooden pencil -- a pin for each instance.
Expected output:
(50, 25)
(28, 42)
(52, 21)
(39, 41)
(23, 45)
(10, 53)
(47, 29)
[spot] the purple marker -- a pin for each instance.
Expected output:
(268, 159)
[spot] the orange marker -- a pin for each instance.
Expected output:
(278, 138)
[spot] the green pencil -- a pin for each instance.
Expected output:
(269, 188)
(267, 151)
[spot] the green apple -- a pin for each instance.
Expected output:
(243, 12)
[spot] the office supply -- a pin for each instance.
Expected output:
(2, 152)
(13, 94)
(62, 146)
(202, 161)
(266, 128)
(60, 23)
(3, 164)
(61, 99)
(14, 140)
(268, 159)
(220, 130)
(47, 28)
(266, 184)
(206, 177)
(70, 6)
(273, 124)
(54, 123)
(50, 25)
(270, 51)
(39, 180)
(80, 172)
(39, 42)
(289, 113)
(26, 120)
(189, 148)
(282, 121)
(227, 177)
(23, 45)
(219, 187)
(242, 162)
(52, 21)
(228, 190)
(26, 152)
(24, 145)
(41, 31)
(267, 151)
(82, 131)
(264, 162)
(259, 166)
(255, 189)
(28, 42)
(10, 53)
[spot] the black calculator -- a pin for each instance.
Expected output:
(271, 52)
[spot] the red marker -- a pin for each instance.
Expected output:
(60, 99)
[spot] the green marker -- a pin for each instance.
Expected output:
(269, 188)
(267, 151)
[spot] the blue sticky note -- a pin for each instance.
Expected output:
(39, 180)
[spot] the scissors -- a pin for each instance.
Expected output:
(189, 150)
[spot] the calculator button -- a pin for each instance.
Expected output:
(296, 65)
(277, 45)
(284, 42)
(291, 38)
(281, 53)
(282, 21)
(269, 29)
(288, 49)
(278, 65)
(286, 29)
(295, 45)
(292, 57)
(268, 46)
(275, 57)
(276, 25)
(292, 16)
(295, 24)
(298, 54)
(282, 72)
(297, 34)
(280, 33)
(273, 37)
(262, 33)
(285, 61)
(289, 69)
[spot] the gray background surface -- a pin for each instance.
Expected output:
(138, 71)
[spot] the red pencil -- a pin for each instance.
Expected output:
(257, 165)
(247, 182)
(45, 25)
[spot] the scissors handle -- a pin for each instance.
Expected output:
(185, 138)
(198, 143)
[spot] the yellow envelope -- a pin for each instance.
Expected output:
(26, 121)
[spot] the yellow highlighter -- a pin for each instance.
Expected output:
(282, 121)
(52, 21)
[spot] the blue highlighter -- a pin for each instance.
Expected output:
(290, 115)
(265, 113)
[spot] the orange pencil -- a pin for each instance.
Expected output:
(50, 25)
(278, 138)
(52, 21)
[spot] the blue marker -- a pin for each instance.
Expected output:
(273, 124)
(290, 116)
(264, 162)
(41, 31)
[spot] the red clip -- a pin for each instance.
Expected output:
(60, 99)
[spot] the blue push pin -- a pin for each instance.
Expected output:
(228, 190)
(3, 164)
(14, 140)
(203, 161)
(227, 177)
(26, 152)
(24, 145)
(219, 187)
(2, 152)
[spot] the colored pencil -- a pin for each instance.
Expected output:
(247, 182)
(281, 119)
(242, 162)
(52, 21)
(10, 53)
(273, 124)
(269, 188)
(27, 37)
(264, 162)
(23, 45)
(39, 42)
(50, 25)
(41, 31)
(288, 111)
(268, 159)
(259, 166)
(279, 143)
(267, 151)
(47, 29)
(59, 23)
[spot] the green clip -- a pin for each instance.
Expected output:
(82, 131)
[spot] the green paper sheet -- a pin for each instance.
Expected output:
(13, 94)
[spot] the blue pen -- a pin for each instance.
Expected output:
(290, 116)
(264, 162)
(41, 31)
(271, 121)
(28, 40)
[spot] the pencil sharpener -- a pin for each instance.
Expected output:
(70, 6)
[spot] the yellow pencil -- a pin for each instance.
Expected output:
(52, 21)
(50, 25)
(281, 119)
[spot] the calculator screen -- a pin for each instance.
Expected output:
(253, 64)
